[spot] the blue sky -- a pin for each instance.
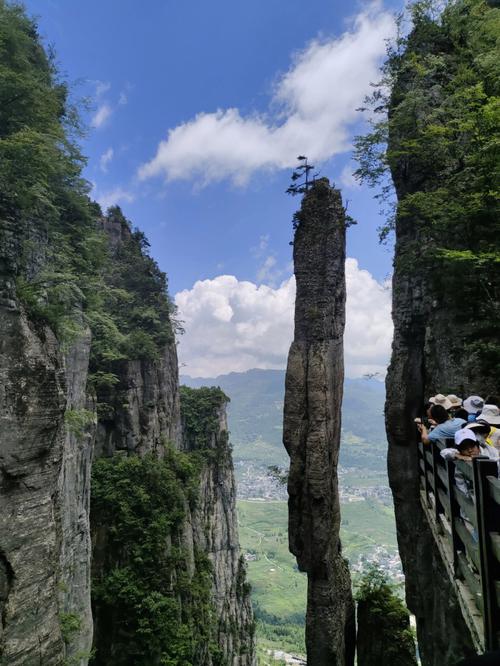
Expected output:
(273, 79)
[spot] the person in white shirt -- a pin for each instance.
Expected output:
(466, 448)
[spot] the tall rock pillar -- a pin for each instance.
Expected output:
(311, 431)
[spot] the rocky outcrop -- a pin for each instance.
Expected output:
(32, 401)
(44, 534)
(445, 309)
(311, 431)
(215, 532)
(141, 413)
(443, 635)
(51, 431)
(75, 547)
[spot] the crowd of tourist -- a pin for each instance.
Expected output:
(473, 424)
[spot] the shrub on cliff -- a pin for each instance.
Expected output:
(151, 607)
(384, 634)
(436, 131)
(66, 275)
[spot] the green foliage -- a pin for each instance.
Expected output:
(133, 313)
(150, 608)
(199, 409)
(67, 277)
(278, 474)
(436, 130)
(37, 155)
(70, 624)
(78, 420)
(384, 634)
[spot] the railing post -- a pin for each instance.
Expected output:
(486, 523)
(421, 457)
(438, 508)
(454, 512)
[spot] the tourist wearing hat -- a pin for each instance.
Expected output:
(456, 407)
(490, 414)
(456, 402)
(442, 400)
(445, 426)
(473, 405)
(482, 431)
(490, 418)
(466, 448)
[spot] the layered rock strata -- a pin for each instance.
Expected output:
(443, 311)
(50, 435)
(44, 481)
(141, 415)
(215, 532)
(312, 419)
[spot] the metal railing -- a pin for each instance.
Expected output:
(462, 503)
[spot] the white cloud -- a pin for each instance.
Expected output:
(347, 179)
(101, 88)
(101, 115)
(113, 197)
(105, 159)
(232, 325)
(267, 271)
(311, 112)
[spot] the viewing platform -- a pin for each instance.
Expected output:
(465, 522)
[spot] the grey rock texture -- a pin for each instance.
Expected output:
(432, 325)
(215, 531)
(420, 335)
(143, 409)
(312, 418)
(74, 505)
(48, 433)
(32, 402)
(142, 415)
(44, 482)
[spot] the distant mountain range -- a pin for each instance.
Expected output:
(256, 416)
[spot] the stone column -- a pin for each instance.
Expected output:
(311, 431)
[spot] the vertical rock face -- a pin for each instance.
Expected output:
(442, 633)
(215, 532)
(141, 415)
(49, 430)
(311, 431)
(443, 310)
(32, 407)
(44, 483)
(143, 409)
(75, 546)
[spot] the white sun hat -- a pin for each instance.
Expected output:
(442, 400)
(463, 434)
(455, 400)
(491, 414)
(473, 404)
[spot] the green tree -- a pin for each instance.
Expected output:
(384, 634)
(435, 136)
(150, 608)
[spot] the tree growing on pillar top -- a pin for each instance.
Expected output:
(301, 172)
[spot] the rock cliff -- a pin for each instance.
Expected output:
(311, 431)
(44, 476)
(140, 416)
(215, 524)
(90, 417)
(53, 428)
(445, 309)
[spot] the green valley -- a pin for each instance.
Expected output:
(368, 530)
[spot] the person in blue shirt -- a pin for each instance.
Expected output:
(445, 427)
